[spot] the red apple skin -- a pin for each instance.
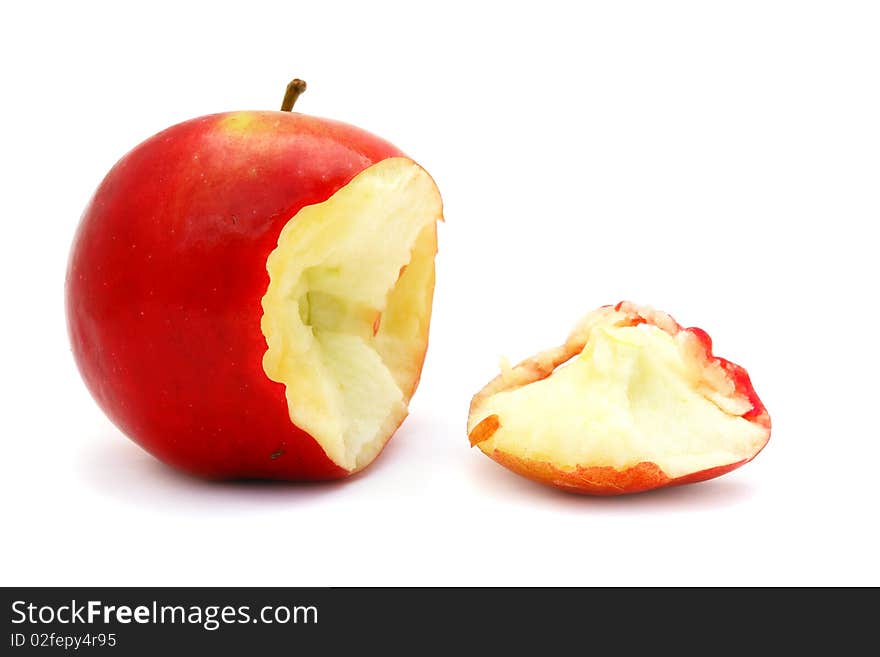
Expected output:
(165, 279)
(605, 481)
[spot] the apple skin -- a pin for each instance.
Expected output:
(165, 279)
(605, 481)
(643, 476)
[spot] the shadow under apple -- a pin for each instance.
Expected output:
(118, 468)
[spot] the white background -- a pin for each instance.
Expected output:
(720, 161)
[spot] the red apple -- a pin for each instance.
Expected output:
(249, 294)
(632, 401)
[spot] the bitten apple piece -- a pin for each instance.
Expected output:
(347, 309)
(632, 401)
(249, 293)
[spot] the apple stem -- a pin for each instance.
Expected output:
(294, 90)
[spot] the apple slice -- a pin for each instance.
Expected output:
(632, 401)
(348, 306)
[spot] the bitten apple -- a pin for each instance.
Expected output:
(632, 401)
(249, 293)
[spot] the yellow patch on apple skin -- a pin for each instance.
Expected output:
(347, 309)
(246, 123)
